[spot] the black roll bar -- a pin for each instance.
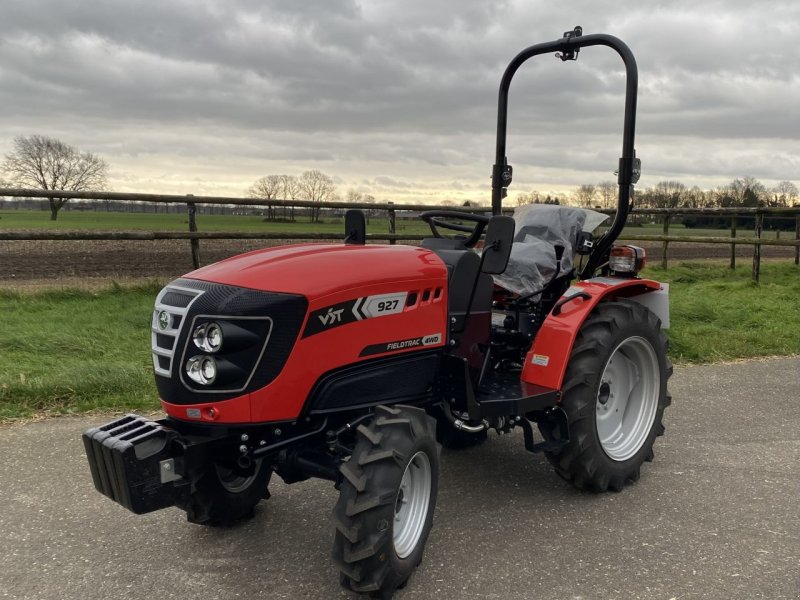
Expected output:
(567, 48)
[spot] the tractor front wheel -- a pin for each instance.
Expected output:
(225, 494)
(614, 395)
(387, 498)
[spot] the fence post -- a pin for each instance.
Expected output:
(666, 243)
(392, 228)
(797, 239)
(195, 243)
(757, 247)
(733, 245)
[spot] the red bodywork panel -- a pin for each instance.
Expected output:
(327, 275)
(318, 270)
(546, 362)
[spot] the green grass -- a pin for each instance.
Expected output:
(72, 220)
(76, 351)
(718, 314)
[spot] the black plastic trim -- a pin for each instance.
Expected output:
(285, 311)
(402, 378)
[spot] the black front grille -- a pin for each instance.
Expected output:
(285, 314)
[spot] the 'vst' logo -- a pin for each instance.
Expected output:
(333, 316)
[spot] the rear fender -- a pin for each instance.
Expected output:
(546, 362)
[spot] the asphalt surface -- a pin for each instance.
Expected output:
(715, 516)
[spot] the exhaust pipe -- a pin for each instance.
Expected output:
(462, 425)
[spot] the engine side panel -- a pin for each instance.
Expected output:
(546, 361)
(332, 340)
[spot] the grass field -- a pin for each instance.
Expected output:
(72, 220)
(75, 351)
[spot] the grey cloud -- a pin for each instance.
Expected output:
(402, 91)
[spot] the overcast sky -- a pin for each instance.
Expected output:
(398, 98)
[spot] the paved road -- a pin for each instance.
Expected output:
(716, 516)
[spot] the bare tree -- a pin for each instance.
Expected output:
(267, 188)
(697, 198)
(746, 191)
(291, 189)
(607, 190)
(354, 195)
(668, 194)
(784, 194)
(50, 164)
(585, 195)
(316, 187)
(533, 197)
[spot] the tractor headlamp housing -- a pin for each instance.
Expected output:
(246, 335)
(208, 337)
(222, 352)
(627, 260)
(202, 369)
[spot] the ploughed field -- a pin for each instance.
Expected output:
(44, 261)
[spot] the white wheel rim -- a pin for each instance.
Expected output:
(411, 504)
(627, 398)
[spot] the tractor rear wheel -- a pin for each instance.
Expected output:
(614, 395)
(387, 497)
(226, 494)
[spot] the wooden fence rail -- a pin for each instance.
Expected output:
(194, 236)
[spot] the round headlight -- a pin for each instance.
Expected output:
(201, 369)
(208, 337)
(209, 369)
(214, 337)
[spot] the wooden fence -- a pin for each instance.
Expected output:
(666, 215)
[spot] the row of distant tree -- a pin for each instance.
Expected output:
(49, 164)
(741, 192)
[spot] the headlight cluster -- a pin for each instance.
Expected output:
(227, 351)
(202, 369)
(208, 338)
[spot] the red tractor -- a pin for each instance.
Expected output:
(355, 363)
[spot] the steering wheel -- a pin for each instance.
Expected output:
(436, 219)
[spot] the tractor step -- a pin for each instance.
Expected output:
(503, 394)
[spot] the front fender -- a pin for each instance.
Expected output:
(546, 361)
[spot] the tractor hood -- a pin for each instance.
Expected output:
(316, 270)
